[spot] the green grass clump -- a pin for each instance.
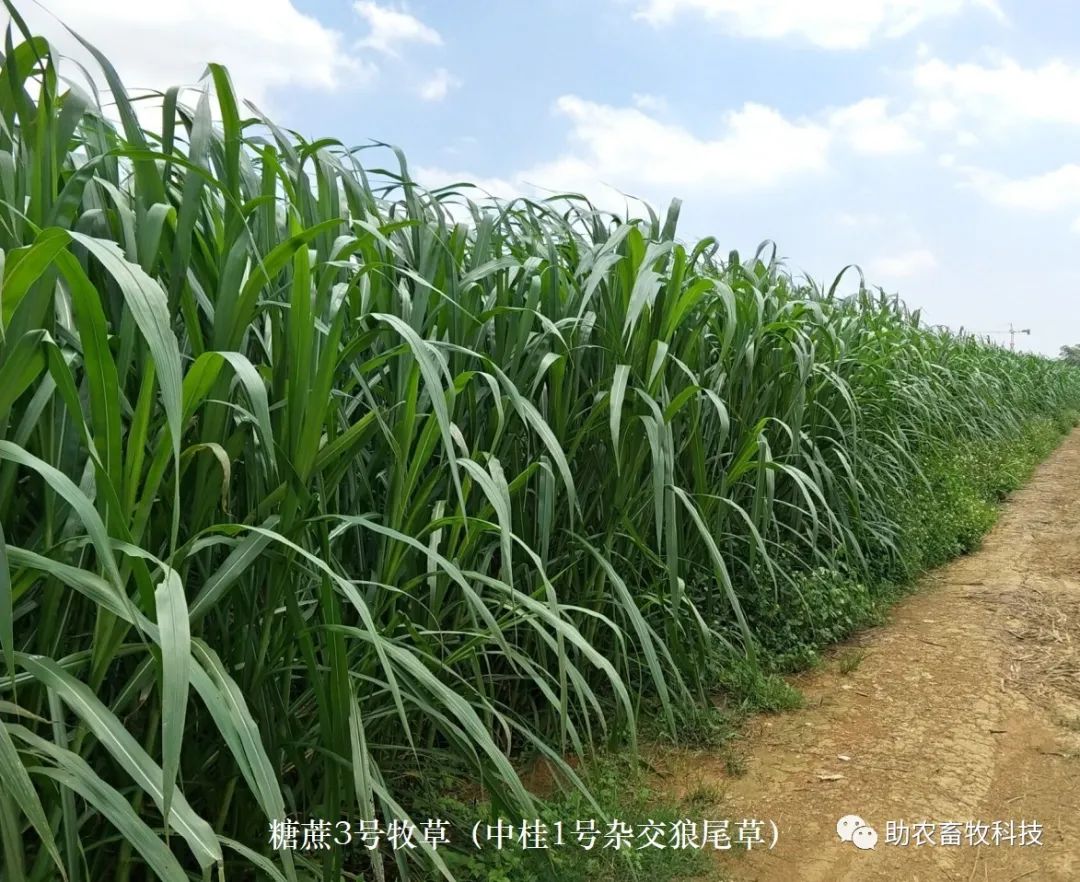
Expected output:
(951, 510)
(757, 690)
(808, 611)
(619, 791)
(944, 513)
(313, 481)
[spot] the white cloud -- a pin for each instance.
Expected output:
(1004, 93)
(862, 219)
(392, 28)
(266, 44)
(902, 265)
(649, 103)
(433, 177)
(627, 148)
(438, 85)
(1049, 191)
(867, 127)
(616, 150)
(481, 190)
(938, 112)
(830, 24)
(459, 145)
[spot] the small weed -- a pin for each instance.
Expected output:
(703, 797)
(734, 762)
(849, 662)
(756, 690)
(705, 726)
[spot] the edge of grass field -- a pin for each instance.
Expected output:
(978, 480)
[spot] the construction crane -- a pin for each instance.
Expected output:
(1012, 332)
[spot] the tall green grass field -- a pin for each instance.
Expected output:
(313, 481)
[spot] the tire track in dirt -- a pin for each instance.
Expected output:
(966, 707)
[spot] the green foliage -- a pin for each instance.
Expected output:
(949, 513)
(961, 517)
(702, 724)
(756, 690)
(807, 611)
(850, 661)
(619, 786)
(941, 516)
(1065, 420)
(312, 481)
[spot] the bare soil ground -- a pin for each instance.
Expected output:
(964, 707)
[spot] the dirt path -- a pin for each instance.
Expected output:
(965, 707)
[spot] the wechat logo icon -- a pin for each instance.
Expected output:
(853, 829)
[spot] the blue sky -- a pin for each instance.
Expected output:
(936, 143)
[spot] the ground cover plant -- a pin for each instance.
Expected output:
(312, 480)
